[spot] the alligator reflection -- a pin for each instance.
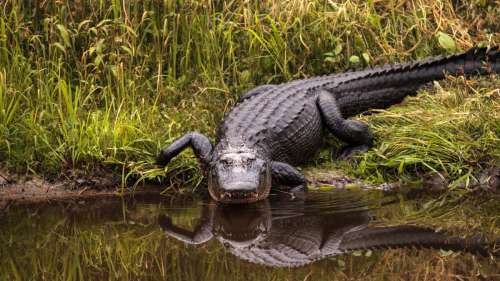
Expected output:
(289, 233)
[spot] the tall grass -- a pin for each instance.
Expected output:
(94, 83)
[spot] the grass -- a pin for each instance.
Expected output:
(452, 130)
(87, 84)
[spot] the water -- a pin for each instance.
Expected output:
(344, 235)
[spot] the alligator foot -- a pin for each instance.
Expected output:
(349, 151)
(298, 188)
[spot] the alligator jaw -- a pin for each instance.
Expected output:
(239, 197)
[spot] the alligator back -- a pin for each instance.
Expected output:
(284, 124)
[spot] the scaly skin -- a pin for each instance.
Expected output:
(275, 127)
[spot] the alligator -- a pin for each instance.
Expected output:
(294, 233)
(274, 128)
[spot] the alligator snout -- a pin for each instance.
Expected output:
(236, 192)
(239, 197)
(241, 192)
(234, 189)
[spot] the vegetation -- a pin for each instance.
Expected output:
(86, 84)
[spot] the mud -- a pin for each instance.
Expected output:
(73, 185)
(76, 184)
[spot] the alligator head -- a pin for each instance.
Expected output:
(239, 176)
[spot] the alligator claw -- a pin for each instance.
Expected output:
(162, 160)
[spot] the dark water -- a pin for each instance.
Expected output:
(342, 235)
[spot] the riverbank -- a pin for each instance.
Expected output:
(81, 185)
(87, 86)
(76, 186)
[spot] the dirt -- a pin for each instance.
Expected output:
(73, 185)
(485, 180)
(77, 184)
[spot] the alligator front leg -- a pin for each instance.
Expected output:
(199, 143)
(355, 133)
(286, 175)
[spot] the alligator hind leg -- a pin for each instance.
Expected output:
(355, 133)
(201, 146)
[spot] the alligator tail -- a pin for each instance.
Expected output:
(413, 236)
(381, 87)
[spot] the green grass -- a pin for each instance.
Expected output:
(451, 130)
(86, 84)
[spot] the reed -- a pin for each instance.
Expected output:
(96, 83)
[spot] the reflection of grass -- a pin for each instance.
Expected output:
(460, 216)
(86, 84)
(111, 243)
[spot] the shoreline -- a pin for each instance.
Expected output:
(20, 189)
(35, 189)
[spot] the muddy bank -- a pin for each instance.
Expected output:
(326, 178)
(77, 184)
(72, 185)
